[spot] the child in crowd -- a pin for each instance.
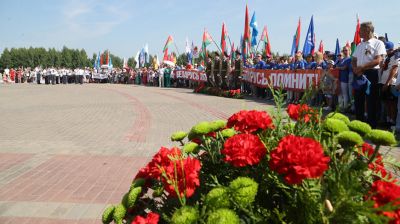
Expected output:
(328, 84)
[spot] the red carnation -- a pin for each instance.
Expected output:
(377, 165)
(243, 149)
(386, 192)
(183, 173)
(298, 158)
(300, 112)
(160, 159)
(152, 218)
(250, 121)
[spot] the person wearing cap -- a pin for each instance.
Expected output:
(216, 70)
(237, 70)
(365, 61)
(387, 80)
(225, 71)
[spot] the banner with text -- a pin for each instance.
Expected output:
(298, 80)
(190, 74)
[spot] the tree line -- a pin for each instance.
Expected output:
(67, 58)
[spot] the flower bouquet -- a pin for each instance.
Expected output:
(268, 167)
(215, 91)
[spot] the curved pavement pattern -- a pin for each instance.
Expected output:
(67, 151)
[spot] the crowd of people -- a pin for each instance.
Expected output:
(367, 85)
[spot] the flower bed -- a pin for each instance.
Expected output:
(215, 91)
(260, 167)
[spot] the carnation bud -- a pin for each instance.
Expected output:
(217, 125)
(227, 133)
(360, 127)
(178, 136)
(191, 147)
(335, 125)
(132, 196)
(339, 116)
(108, 214)
(119, 213)
(328, 205)
(380, 137)
(244, 190)
(223, 216)
(201, 128)
(349, 138)
(218, 198)
(185, 215)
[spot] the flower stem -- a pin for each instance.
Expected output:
(375, 154)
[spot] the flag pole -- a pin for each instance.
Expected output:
(176, 47)
(229, 38)
(220, 51)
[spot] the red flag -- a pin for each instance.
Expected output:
(298, 35)
(321, 47)
(357, 38)
(101, 59)
(265, 38)
(168, 43)
(206, 41)
(246, 35)
(223, 37)
(165, 58)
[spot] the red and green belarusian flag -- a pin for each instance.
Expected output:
(169, 42)
(298, 36)
(357, 38)
(206, 41)
(224, 34)
(265, 39)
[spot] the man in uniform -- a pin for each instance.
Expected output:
(237, 72)
(208, 72)
(225, 71)
(216, 71)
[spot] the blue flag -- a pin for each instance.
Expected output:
(293, 51)
(309, 43)
(337, 49)
(254, 33)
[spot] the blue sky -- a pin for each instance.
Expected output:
(124, 27)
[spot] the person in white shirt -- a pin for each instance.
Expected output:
(365, 61)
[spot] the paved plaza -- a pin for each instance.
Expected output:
(67, 151)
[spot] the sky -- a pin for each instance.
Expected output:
(125, 26)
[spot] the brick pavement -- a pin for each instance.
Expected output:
(67, 151)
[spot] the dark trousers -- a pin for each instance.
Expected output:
(64, 79)
(38, 78)
(372, 99)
